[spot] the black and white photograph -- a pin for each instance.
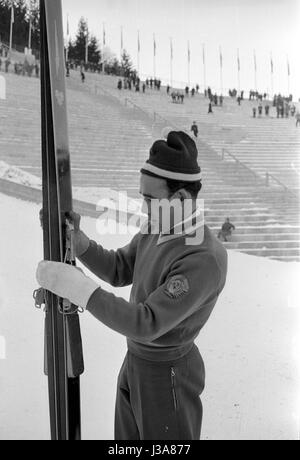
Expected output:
(149, 223)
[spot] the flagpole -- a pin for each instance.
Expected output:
(103, 46)
(239, 70)
(204, 66)
(12, 20)
(139, 51)
(221, 70)
(29, 37)
(272, 76)
(289, 75)
(171, 63)
(189, 65)
(255, 71)
(154, 55)
(87, 47)
(122, 43)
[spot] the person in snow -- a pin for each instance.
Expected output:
(226, 230)
(177, 275)
(195, 129)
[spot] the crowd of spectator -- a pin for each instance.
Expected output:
(256, 96)
(132, 82)
(20, 68)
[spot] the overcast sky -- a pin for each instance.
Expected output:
(264, 25)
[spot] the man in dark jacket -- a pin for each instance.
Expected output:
(177, 274)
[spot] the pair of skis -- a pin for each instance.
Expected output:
(63, 345)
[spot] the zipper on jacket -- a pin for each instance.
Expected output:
(173, 377)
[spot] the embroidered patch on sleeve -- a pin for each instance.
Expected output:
(177, 286)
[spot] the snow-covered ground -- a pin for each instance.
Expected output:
(250, 345)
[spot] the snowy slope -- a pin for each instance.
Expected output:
(249, 345)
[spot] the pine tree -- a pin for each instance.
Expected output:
(126, 65)
(94, 52)
(78, 48)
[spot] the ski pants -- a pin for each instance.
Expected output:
(160, 400)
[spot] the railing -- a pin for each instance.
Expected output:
(135, 106)
(239, 163)
(270, 177)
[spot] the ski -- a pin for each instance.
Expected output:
(63, 345)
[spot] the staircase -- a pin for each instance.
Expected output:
(111, 133)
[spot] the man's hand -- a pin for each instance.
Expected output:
(66, 281)
(81, 241)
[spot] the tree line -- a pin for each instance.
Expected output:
(76, 50)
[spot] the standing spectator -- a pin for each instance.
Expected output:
(168, 89)
(278, 110)
(287, 110)
(120, 84)
(144, 88)
(83, 76)
(187, 90)
(182, 98)
(221, 100)
(267, 110)
(297, 118)
(260, 110)
(195, 129)
(254, 112)
(210, 110)
(193, 92)
(197, 88)
(7, 64)
(226, 230)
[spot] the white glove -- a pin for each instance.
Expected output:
(67, 282)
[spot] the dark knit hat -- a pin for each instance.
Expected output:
(176, 158)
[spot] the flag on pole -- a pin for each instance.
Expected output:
(139, 42)
(288, 67)
(238, 60)
(203, 54)
(154, 45)
(189, 52)
(255, 61)
(171, 47)
(87, 47)
(104, 35)
(272, 65)
(221, 58)
(12, 15)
